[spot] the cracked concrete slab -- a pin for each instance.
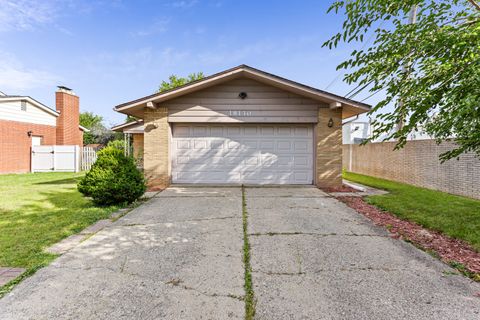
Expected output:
(166, 259)
(297, 214)
(315, 258)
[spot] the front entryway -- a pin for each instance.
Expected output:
(246, 153)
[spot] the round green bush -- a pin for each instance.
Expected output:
(113, 179)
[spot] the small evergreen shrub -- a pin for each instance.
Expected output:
(113, 179)
(118, 144)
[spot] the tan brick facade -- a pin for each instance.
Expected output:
(157, 135)
(15, 144)
(156, 146)
(329, 148)
(417, 164)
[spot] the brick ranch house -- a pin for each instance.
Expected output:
(242, 125)
(25, 122)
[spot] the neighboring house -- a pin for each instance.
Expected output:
(25, 122)
(239, 126)
(133, 133)
(355, 132)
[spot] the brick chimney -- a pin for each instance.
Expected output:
(68, 105)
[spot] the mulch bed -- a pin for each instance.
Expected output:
(343, 188)
(448, 249)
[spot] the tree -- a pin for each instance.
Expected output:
(175, 81)
(92, 122)
(98, 132)
(130, 118)
(429, 71)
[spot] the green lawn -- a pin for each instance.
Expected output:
(38, 210)
(455, 216)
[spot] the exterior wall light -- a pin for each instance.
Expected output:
(29, 133)
(242, 95)
(330, 123)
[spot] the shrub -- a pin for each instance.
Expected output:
(113, 179)
(118, 144)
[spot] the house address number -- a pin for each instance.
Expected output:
(240, 113)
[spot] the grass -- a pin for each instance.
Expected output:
(455, 216)
(249, 294)
(38, 210)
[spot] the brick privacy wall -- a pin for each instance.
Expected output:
(68, 105)
(156, 145)
(15, 144)
(417, 164)
(329, 148)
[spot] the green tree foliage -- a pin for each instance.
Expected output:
(113, 179)
(430, 70)
(175, 81)
(130, 118)
(117, 144)
(98, 132)
(92, 122)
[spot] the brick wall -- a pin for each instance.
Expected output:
(416, 164)
(329, 148)
(15, 144)
(68, 105)
(156, 145)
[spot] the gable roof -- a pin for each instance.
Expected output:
(136, 106)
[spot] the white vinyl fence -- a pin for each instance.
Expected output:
(89, 156)
(55, 158)
(62, 158)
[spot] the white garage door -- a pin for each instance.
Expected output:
(252, 154)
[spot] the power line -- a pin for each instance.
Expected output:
(361, 49)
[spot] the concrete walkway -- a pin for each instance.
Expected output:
(179, 256)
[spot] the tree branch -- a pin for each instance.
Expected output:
(475, 4)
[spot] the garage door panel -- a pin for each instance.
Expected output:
(256, 154)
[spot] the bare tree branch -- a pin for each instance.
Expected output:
(475, 4)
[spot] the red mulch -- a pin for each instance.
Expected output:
(155, 188)
(447, 248)
(343, 188)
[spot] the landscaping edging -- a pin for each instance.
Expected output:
(456, 253)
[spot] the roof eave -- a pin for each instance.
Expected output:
(135, 107)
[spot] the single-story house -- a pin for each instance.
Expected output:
(25, 122)
(242, 125)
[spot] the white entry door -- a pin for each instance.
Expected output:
(36, 141)
(252, 154)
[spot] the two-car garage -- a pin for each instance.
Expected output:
(248, 153)
(241, 126)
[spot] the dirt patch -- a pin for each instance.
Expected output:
(448, 249)
(343, 188)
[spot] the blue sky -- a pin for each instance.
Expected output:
(112, 52)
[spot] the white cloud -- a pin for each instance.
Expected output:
(184, 3)
(15, 76)
(159, 26)
(26, 14)
(230, 55)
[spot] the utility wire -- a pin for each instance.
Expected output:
(361, 49)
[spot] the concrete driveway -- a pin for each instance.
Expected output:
(179, 256)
